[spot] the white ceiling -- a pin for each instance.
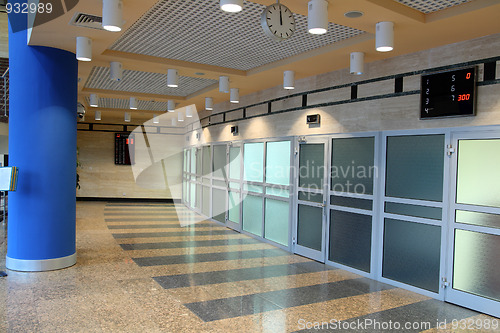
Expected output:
(426, 6)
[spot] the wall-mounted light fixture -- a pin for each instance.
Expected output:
(384, 36)
(133, 103)
(97, 115)
(170, 106)
(209, 103)
(234, 97)
(112, 15)
(317, 17)
(94, 100)
(83, 48)
(189, 111)
(289, 80)
(231, 6)
(172, 78)
(128, 116)
(234, 130)
(357, 60)
(180, 116)
(156, 119)
(116, 71)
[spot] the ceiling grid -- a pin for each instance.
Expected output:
(119, 103)
(430, 6)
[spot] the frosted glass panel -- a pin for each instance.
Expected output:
(434, 213)
(475, 218)
(352, 202)
(277, 191)
(205, 209)
(253, 188)
(192, 200)
(185, 194)
(310, 227)
(412, 253)
(186, 160)
(350, 239)
(198, 161)
(415, 167)
(219, 163)
(352, 165)
(219, 205)
(198, 194)
(219, 183)
(478, 179)
(254, 162)
(311, 165)
(278, 163)
(476, 268)
(234, 185)
(234, 162)
(234, 207)
(276, 221)
(193, 160)
(206, 160)
(308, 196)
(252, 215)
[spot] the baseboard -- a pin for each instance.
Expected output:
(128, 199)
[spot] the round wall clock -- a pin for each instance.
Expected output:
(278, 22)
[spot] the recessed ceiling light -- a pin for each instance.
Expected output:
(353, 14)
(199, 73)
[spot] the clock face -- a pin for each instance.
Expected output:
(278, 22)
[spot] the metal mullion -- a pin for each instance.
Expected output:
(414, 219)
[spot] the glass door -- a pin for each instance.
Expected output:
(309, 238)
(234, 192)
(473, 267)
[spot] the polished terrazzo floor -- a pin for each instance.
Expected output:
(149, 268)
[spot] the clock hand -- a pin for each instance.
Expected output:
(281, 18)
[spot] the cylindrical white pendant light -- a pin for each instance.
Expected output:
(289, 79)
(224, 84)
(357, 63)
(97, 115)
(112, 15)
(174, 121)
(189, 111)
(133, 103)
(234, 97)
(116, 71)
(128, 116)
(170, 106)
(156, 119)
(172, 78)
(180, 116)
(83, 48)
(209, 103)
(94, 100)
(317, 17)
(384, 36)
(231, 6)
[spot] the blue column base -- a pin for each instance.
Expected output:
(40, 265)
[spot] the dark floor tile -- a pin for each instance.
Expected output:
(174, 233)
(161, 226)
(186, 244)
(230, 308)
(312, 266)
(208, 257)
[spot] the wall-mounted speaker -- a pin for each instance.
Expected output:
(234, 130)
(313, 119)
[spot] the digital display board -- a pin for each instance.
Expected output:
(124, 148)
(448, 94)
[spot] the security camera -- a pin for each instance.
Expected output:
(80, 110)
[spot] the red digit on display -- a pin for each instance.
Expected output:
(468, 76)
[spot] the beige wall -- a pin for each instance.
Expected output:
(382, 114)
(4, 36)
(156, 174)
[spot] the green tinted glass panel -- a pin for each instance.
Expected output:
(185, 162)
(415, 167)
(310, 227)
(219, 205)
(234, 185)
(198, 161)
(412, 253)
(413, 210)
(308, 196)
(253, 188)
(234, 162)
(350, 239)
(234, 207)
(278, 162)
(205, 208)
(475, 218)
(277, 191)
(312, 165)
(206, 181)
(352, 202)
(276, 221)
(207, 151)
(192, 200)
(253, 162)
(475, 265)
(185, 195)
(219, 183)
(353, 167)
(478, 179)
(219, 161)
(252, 214)
(193, 160)
(198, 198)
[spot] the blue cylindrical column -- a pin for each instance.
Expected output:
(42, 144)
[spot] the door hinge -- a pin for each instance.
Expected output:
(293, 240)
(449, 150)
(444, 282)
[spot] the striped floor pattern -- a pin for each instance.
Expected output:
(231, 281)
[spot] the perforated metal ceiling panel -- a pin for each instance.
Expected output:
(145, 82)
(429, 6)
(118, 103)
(199, 31)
